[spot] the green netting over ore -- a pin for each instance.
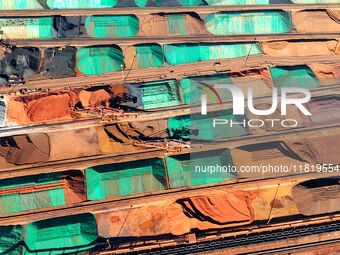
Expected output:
(177, 24)
(200, 127)
(248, 22)
(176, 54)
(68, 234)
(112, 26)
(20, 5)
(20, 200)
(10, 236)
(294, 76)
(27, 28)
(236, 2)
(149, 55)
(188, 170)
(30, 180)
(194, 87)
(125, 178)
(144, 3)
(160, 94)
(80, 4)
(183, 2)
(100, 60)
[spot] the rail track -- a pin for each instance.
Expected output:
(139, 200)
(168, 72)
(90, 161)
(207, 38)
(320, 231)
(310, 247)
(251, 239)
(164, 9)
(157, 114)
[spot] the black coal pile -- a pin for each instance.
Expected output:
(20, 64)
(59, 62)
(65, 27)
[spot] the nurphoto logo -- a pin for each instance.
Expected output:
(239, 106)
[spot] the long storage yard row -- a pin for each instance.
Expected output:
(268, 40)
(156, 25)
(127, 181)
(138, 43)
(156, 131)
(13, 9)
(137, 76)
(111, 221)
(58, 162)
(151, 101)
(297, 240)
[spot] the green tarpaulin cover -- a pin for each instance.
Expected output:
(10, 237)
(236, 2)
(68, 234)
(144, 3)
(112, 26)
(100, 60)
(248, 22)
(194, 87)
(149, 55)
(21, 201)
(176, 54)
(20, 5)
(80, 4)
(191, 169)
(160, 94)
(294, 76)
(177, 24)
(27, 28)
(125, 179)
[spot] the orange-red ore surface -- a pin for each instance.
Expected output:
(178, 217)
(26, 149)
(218, 209)
(59, 105)
(48, 108)
(152, 25)
(93, 98)
(75, 191)
(99, 97)
(327, 71)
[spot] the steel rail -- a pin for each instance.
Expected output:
(208, 38)
(164, 9)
